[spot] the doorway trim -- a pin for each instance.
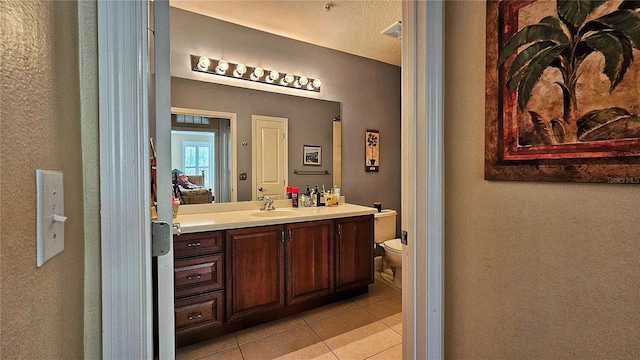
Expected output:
(124, 180)
(423, 178)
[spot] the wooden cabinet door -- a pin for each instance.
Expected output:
(310, 260)
(254, 271)
(354, 252)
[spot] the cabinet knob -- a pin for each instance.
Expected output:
(195, 316)
(195, 244)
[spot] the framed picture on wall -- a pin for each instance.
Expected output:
(562, 95)
(311, 155)
(372, 151)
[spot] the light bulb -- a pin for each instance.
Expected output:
(287, 79)
(302, 81)
(240, 70)
(314, 84)
(273, 76)
(257, 74)
(203, 63)
(222, 67)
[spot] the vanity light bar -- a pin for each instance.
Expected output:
(257, 74)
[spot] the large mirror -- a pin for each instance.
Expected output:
(214, 132)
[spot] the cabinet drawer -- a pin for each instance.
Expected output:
(197, 312)
(197, 244)
(198, 275)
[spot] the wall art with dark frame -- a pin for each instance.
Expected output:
(562, 91)
(311, 155)
(372, 151)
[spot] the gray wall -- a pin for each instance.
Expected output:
(310, 123)
(368, 90)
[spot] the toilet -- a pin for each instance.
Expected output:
(385, 237)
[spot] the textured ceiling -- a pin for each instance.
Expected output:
(354, 27)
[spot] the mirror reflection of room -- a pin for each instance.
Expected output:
(310, 121)
(200, 158)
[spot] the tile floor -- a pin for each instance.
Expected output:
(364, 327)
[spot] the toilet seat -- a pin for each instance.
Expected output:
(394, 246)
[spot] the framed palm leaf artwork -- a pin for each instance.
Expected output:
(563, 91)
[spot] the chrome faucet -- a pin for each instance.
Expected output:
(268, 204)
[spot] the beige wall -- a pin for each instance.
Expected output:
(533, 270)
(41, 308)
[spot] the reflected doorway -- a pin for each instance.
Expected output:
(201, 146)
(270, 157)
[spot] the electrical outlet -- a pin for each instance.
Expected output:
(50, 215)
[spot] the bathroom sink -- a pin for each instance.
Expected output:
(272, 213)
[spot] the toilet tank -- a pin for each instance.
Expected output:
(385, 226)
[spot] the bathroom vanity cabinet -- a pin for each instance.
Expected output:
(230, 279)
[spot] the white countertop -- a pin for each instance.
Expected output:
(198, 219)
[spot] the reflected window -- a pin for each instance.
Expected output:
(196, 154)
(203, 144)
(196, 159)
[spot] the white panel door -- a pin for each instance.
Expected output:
(269, 157)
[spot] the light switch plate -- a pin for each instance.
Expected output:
(49, 215)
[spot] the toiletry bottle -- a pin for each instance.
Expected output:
(319, 197)
(328, 201)
(314, 198)
(294, 196)
(308, 191)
